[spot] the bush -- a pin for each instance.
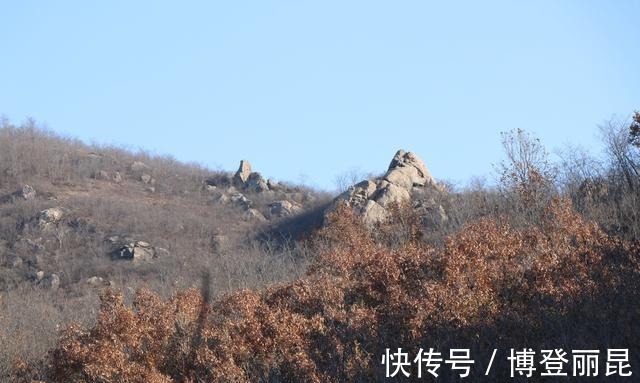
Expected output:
(492, 285)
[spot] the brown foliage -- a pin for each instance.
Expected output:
(490, 285)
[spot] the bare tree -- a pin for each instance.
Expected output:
(619, 139)
(526, 174)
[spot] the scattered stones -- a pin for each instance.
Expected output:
(248, 181)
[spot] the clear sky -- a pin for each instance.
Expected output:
(308, 90)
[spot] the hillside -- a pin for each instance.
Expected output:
(125, 267)
(75, 218)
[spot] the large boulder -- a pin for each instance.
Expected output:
(239, 199)
(253, 215)
(390, 193)
(49, 217)
(243, 173)
(256, 183)
(373, 212)
(136, 251)
(283, 208)
(407, 170)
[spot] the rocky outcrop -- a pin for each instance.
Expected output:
(243, 173)
(256, 183)
(407, 170)
(373, 198)
(244, 179)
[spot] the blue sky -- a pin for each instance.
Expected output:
(309, 90)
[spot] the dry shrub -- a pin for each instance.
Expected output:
(490, 286)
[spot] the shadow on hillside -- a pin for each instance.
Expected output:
(294, 228)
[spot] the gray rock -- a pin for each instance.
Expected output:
(240, 200)
(50, 216)
(242, 175)
(28, 192)
(371, 198)
(52, 282)
(253, 215)
(392, 194)
(406, 170)
(218, 197)
(374, 213)
(136, 251)
(283, 208)
(96, 281)
(256, 183)
(273, 185)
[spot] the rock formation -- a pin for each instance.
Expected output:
(243, 173)
(372, 198)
